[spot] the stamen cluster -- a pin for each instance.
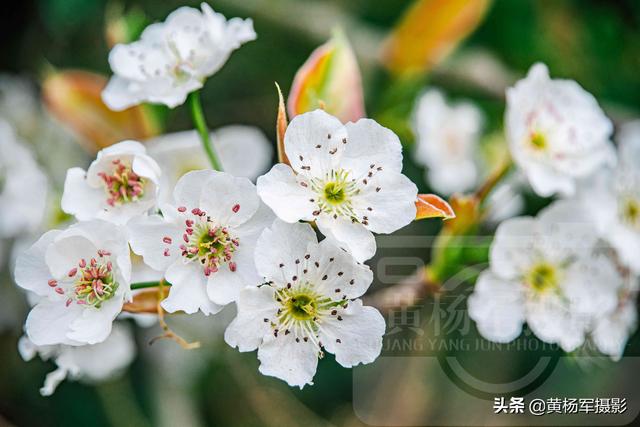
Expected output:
(123, 185)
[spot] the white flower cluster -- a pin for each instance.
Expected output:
(215, 237)
(571, 273)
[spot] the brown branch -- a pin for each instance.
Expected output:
(405, 293)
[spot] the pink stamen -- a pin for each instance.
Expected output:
(166, 252)
(195, 211)
(167, 240)
(72, 272)
(60, 291)
(82, 263)
(189, 223)
(68, 303)
(235, 208)
(232, 266)
(185, 238)
(182, 209)
(53, 283)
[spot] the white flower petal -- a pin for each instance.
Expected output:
(281, 244)
(224, 286)
(188, 291)
(32, 272)
(81, 200)
(315, 140)
(497, 307)
(512, 247)
(282, 357)
(280, 190)
(353, 237)
(392, 200)
(52, 380)
(48, 322)
(359, 333)
(337, 271)
(551, 320)
(371, 144)
(148, 235)
(248, 329)
(230, 200)
(94, 324)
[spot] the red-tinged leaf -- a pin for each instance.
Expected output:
(429, 31)
(330, 79)
(432, 206)
(73, 97)
(281, 127)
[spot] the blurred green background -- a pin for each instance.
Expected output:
(596, 42)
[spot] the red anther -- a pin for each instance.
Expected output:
(109, 266)
(167, 240)
(195, 211)
(182, 209)
(81, 302)
(82, 263)
(93, 262)
(72, 272)
(189, 231)
(185, 238)
(60, 291)
(166, 252)
(189, 223)
(68, 303)
(233, 266)
(53, 283)
(235, 208)
(193, 250)
(183, 247)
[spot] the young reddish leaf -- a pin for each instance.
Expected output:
(432, 206)
(73, 97)
(281, 127)
(429, 31)
(330, 79)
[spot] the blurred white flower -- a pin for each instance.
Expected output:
(173, 58)
(612, 331)
(613, 198)
(122, 182)
(447, 138)
(347, 178)
(309, 304)
(23, 187)
(204, 241)
(88, 363)
(82, 276)
(243, 150)
(556, 131)
(544, 271)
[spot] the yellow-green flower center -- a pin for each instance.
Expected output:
(631, 212)
(538, 141)
(302, 306)
(334, 192)
(542, 277)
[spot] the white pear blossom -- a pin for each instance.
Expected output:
(23, 187)
(82, 276)
(204, 241)
(447, 138)
(556, 131)
(243, 150)
(612, 331)
(121, 183)
(545, 272)
(89, 363)
(347, 178)
(613, 199)
(309, 304)
(173, 58)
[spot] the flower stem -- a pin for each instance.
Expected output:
(145, 285)
(203, 131)
(493, 179)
